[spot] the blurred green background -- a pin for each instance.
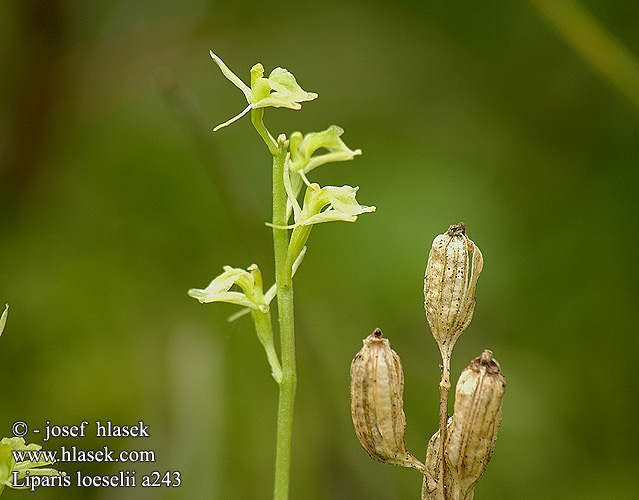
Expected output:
(116, 198)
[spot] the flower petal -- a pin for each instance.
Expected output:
(328, 216)
(282, 81)
(232, 77)
(3, 318)
(237, 298)
(234, 119)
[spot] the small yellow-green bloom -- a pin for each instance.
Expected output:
(304, 155)
(252, 296)
(219, 290)
(279, 90)
(329, 203)
(340, 204)
(303, 149)
(3, 318)
(8, 465)
(322, 204)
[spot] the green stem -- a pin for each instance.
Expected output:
(258, 124)
(283, 278)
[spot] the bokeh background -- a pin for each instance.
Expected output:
(116, 198)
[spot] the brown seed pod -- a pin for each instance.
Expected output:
(473, 431)
(449, 285)
(432, 467)
(377, 388)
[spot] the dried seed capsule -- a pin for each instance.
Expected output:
(377, 388)
(449, 285)
(473, 432)
(432, 467)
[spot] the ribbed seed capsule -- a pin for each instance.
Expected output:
(377, 388)
(449, 285)
(432, 466)
(473, 432)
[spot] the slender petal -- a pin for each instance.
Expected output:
(3, 318)
(232, 77)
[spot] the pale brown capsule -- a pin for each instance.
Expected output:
(377, 388)
(449, 285)
(432, 467)
(473, 431)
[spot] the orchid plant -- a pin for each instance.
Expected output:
(298, 205)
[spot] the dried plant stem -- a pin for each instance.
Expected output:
(283, 278)
(444, 388)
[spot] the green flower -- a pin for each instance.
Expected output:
(251, 298)
(321, 204)
(327, 204)
(3, 318)
(304, 147)
(303, 158)
(279, 90)
(8, 465)
(253, 301)
(251, 295)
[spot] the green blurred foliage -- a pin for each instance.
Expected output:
(115, 199)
